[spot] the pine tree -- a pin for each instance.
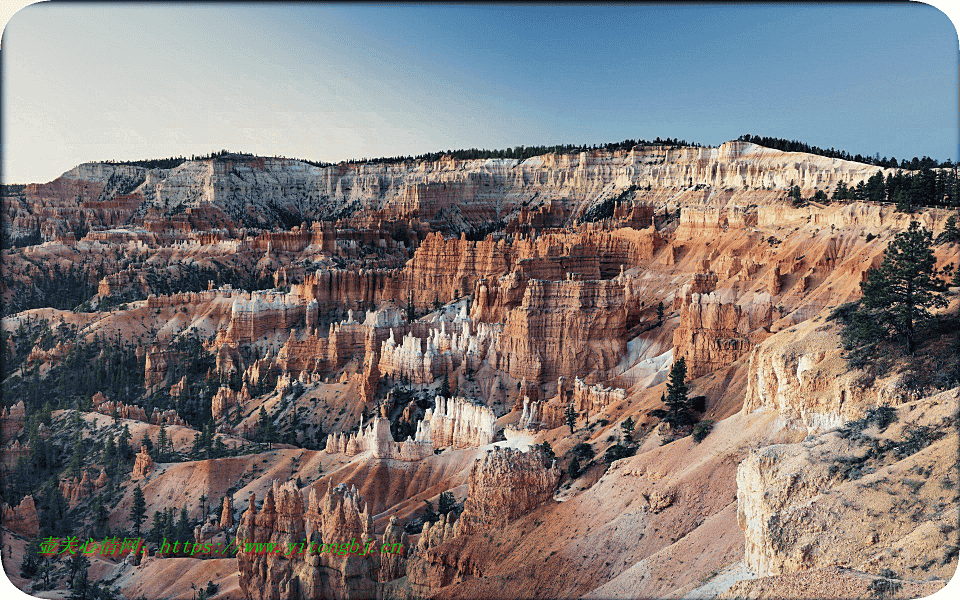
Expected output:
(628, 426)
(138, 510)
(573, 469)
(162, 443)
(896, 295)
(660, 314)
(571, 417)
(411, 309)
(678, 411)
(157, 526)
(31, 559)
(445, 385)
(183, 528)
(902, 200)
(446, 503)
(77, 460)
(123, 444)
(429, 515)
(677, 387)
(950, 234)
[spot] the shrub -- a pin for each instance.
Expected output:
(702, 430)
(583, 451)
(573, 469)
(618, 451)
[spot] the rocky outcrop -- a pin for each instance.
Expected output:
(796, 502)
(283, 520)
(253, 191)
(801, 373)
(591, 399)
(11, 421)
(142, 464)
(444, 352)
(105, 406)
(537, 414)
(23, 519)
(226, 399)
(564, 327)
(376, 440)
(394, 565)
(226, 515)
(715, 330)
(74, 489)
(504, 485)
(262, 313)
(459, 423)
(12, 453)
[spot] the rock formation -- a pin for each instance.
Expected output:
(282, 520)
(226, 515)
(23, 519)
(376, 440)
(503, 485)
(142, 465)
(460, 423)
(796, 502)
(591, 399)
(714, 331)
(11, 422)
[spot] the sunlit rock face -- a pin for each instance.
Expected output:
(503, 485)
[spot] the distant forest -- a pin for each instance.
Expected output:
(518, 152)
(794, 146)
(525, 152)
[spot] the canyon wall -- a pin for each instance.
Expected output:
(284, 521)
(255, 191)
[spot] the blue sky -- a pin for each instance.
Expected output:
(93, 81)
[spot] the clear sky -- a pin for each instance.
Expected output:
(95, 81)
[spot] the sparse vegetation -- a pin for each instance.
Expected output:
(702, 429)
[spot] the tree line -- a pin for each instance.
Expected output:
(927, 187)
(796, 146)
(517, 152)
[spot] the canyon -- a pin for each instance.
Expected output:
(466, 360)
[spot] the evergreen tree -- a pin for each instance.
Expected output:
(571, 417)
(429, 515)
(445, 385)
(183, 528)
(546, 453)
(411, 309)
(446, 503)
(896, 295)
(138, 511)
(679, 412)
(660, 314)
(950, 234)
(162, 443)
(77, 460)
(124, 448)
(81, 589)
(677, 387)
(158, 524)
(573, 469)
(627, 426)
(77, 565)
(219, 448)
(31, 559)
(902, 200)
(101, 518)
